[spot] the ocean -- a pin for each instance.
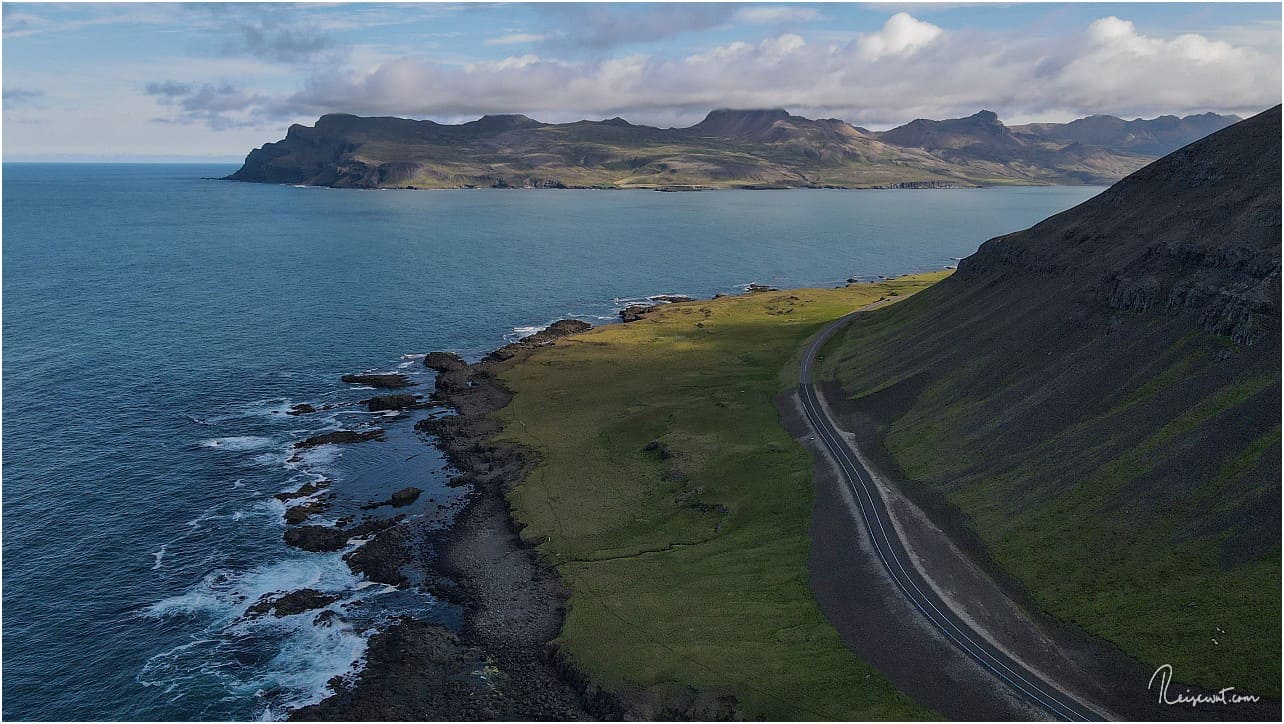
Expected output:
(158, 325)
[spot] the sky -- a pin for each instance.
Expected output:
(209, 82)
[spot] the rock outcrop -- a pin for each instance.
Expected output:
(390, 402)
(392, 381)
(339, 437)
(289, 604)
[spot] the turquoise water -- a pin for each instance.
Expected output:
(158, 323)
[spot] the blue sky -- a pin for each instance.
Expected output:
(210, 81)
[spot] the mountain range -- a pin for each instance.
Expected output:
(728, 149)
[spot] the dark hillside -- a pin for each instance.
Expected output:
(1095, 401)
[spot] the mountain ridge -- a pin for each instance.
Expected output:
(730, 148)
(1094, 401)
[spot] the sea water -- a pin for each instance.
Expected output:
(158, 325)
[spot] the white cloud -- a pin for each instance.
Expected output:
(1118, 66)
(515, 39)
(907, 69)
(777, 14)
(901, 35)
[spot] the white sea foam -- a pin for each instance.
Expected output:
(225, 594)
(159, 556)
(283, 662)
(523, 332)
(238, 443)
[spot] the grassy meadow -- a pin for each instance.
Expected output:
(675, 505)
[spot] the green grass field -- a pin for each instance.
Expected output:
(686, 562)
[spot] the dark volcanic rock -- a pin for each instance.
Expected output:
(391, 382)
(498, 666)
(634, 312)
(421, 672)
(302, 408)
(405, 496)
(288, 604)
(299, 513)
(382, 559)
(390, 402)
(320, 538)
(317, 538)
(754, 288)
(542, 338)
(339, 437)
(444, 361)
(672, 298)
(304, 490)
(399, 499)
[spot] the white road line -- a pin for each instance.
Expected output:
(1015, 675)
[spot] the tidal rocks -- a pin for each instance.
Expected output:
(304, 490)
(671, 298)
(339, 437)
(381, 559)
(391, 382)
(405, 496)
(322, 538)
(299, 513)
(317, 538)
(444, 361)
(399, 499)
(511, 603)
(542, 338)
(390, 402)
(279, 605)
(302, 408)
(634, 312)
(752, 288)
(418, 671)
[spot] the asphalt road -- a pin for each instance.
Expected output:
(891, 550)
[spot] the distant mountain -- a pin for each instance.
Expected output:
(983, 130)
(729, 148)
(1097, 399)
(1154, 137)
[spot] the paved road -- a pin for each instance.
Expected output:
(891, 550)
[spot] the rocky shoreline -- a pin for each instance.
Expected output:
(500, 664)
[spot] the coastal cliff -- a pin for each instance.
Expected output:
(728, 149)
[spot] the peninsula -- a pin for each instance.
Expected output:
(728, 149)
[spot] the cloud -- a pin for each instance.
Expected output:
(902, 34)
(168, 89)
(908, 68)
(268, 40)
(219, 106)
(48, 18)
(515, 39)
(18, 23)
(777, 15)
(602, 25)
(20, 97)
